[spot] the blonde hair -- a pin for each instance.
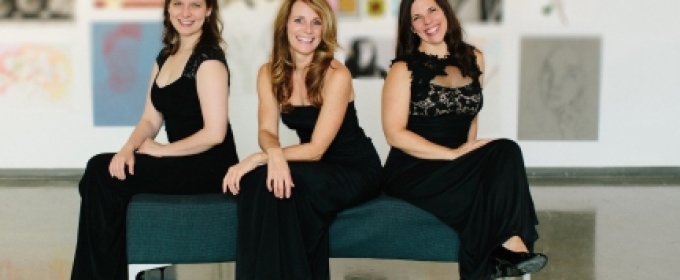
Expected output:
(281, 60)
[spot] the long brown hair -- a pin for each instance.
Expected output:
(408, 42)
(211, 33)
(281, 60)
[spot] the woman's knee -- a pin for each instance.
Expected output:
(96, 167)
(508, 144)
(100, 161)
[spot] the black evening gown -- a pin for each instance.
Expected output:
(100, 250)
(483, 195)
(288, 238)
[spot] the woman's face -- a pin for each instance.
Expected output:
(428, 21)
(188, 16)
(304, 28)
(561, 78)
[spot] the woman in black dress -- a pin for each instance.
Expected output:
(287, 205)
(188, 92)
(431, 98)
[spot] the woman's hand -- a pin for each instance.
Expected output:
(151, 147)
(125, 156)
(278, 174)
(232, 180)
(468, 147)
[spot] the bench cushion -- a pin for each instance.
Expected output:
(181, 229)
(390, 228)
(201, 229)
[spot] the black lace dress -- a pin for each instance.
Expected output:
(483, 195)
(100, 250)
(288, 238)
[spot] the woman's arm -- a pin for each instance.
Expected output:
(147, 128)
(213, 91)
(395, 110)
(337, 94)
(472, 134)
(396, 97)
(268, 111)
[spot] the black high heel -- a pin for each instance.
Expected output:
(502, 270)
(527, 263)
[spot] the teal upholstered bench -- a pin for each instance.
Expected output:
(180, 229)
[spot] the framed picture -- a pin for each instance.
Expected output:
(559, 88)
(478, 10)
(36, 10)
(123, 56)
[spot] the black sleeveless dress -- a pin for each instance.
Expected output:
(483, 195)
(288, 238)
(100, 250)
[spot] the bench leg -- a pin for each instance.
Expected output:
(134, 269)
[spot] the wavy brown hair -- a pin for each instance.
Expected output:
(211, 31)
(281, 60)
(408, 42)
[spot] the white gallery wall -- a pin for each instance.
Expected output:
(639, 82)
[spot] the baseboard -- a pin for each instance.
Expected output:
(582, 172)
(41, 173)
(538, 176)
(618, 176)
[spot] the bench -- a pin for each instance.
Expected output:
(181, 229)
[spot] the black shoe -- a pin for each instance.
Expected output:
(502, 270)
(527, 263)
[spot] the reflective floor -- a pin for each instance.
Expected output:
(603, 231)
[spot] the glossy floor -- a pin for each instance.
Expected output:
(605, 231)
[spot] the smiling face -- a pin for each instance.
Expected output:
(188, 16)
(428, 21)
(304, 29)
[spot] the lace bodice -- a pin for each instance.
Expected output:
(428, 99)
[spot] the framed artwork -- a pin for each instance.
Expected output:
(559, 88)
(123, 56)
(36, 10)
(478, 10)
(35, 78)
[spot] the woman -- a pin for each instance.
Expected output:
(431, 98)
(287, 204)
(188, 92)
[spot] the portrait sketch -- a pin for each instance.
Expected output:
(36, 10)
(559, 88)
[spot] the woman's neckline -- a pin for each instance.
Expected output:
(434, 56)
(312, 106)
(181, 75)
